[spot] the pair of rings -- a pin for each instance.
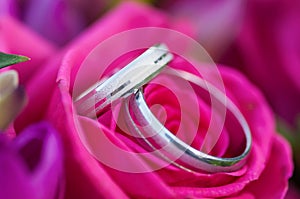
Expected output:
(126, 85)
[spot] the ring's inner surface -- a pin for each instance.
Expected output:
(164, 104)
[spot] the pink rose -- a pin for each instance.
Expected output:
(49, 85)
(263, 36)
(263, 42)
(88, 178)
(267, 51)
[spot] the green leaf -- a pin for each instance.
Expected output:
(291, 133)
(285, 130)
(10, 59)
(298, 124)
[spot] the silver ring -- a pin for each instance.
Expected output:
(123, 83)
(156, 136)
(127, 83)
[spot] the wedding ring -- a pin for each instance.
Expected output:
(171, 148)
(127, 84)
(123, 83)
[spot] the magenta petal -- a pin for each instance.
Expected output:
(86, 177)
(267, 48)
(8, 7)
(280, 164)
(32, 164)
(13, 174)
(89, 178)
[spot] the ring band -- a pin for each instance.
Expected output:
(126, 81)
(158, 137)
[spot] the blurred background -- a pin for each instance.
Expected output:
(261, 38)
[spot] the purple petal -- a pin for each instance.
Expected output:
(56, 20)
(32, 164)
(8, 7)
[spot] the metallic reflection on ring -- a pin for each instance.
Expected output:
(171, 148)
(123, 83)
(127, 84)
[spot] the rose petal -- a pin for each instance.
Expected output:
(83, 180)
(32, 164)
(170, 181)
(56, 20)
(269, 44)
(279, 163)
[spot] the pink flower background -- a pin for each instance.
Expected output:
(258, 38)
